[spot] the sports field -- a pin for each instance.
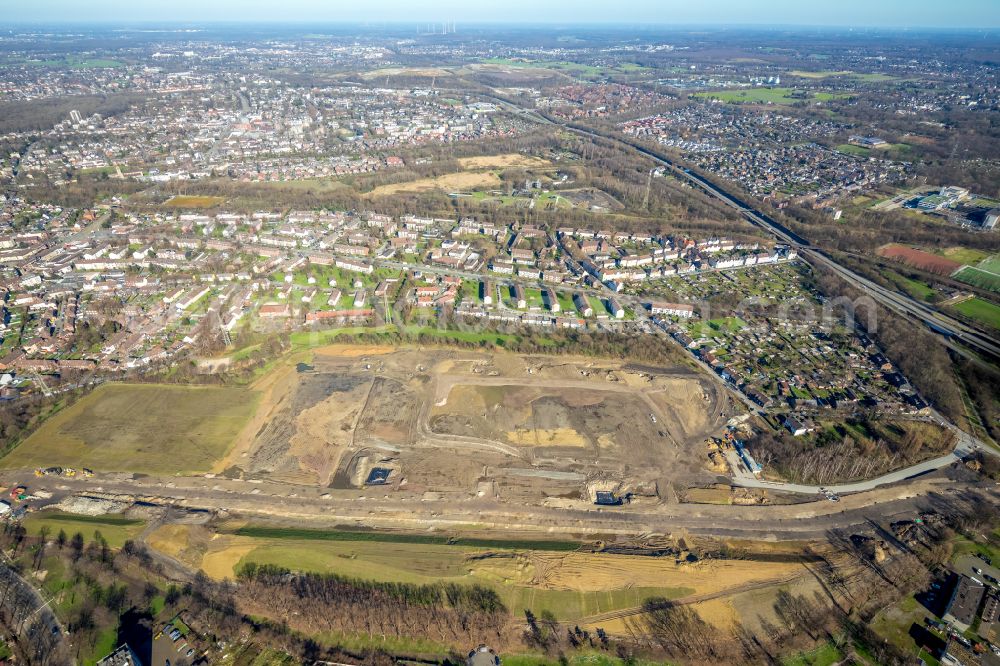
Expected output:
(981, 311)
(990, 264)
(978, 277)
(150, 428)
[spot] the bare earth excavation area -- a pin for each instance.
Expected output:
(490, 424)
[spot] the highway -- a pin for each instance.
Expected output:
(957, 336)
(949, 328)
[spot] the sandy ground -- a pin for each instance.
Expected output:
(449, 182)
(440, 421)
(220, 561)
(502, 161)
(353, 351)
(592, 572)
(271, 387)
(405, 71)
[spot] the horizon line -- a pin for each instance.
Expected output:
(643, 25)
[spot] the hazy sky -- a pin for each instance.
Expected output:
(882, 13)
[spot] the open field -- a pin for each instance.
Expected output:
(573, 585)
(115, 529)
(433, 419)
(981, 311)
(503, 161)
(405, 71)
(449, 182)
(979, 278)
(71, 62)
(926, 261)
(827, 74)
(521, 427)
(156, 429)
(768, 96)
(964, 255)
(990, 264)
(573, 69)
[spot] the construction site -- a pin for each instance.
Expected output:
(498, 425)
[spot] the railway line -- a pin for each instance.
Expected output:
(958, 336)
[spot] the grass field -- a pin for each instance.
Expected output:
(851, 149)
(979, 278)
(185, 201)
(825, 655)
(991, 264)
(149, 428)
(308, 339)
(981, 311)
(914, 288)
(576, 69)
(861, 151)
(115, 529)
(73, 62)
(391, 537)
(768, 96)
(513, 574)
(893, 623)
(860, 76)
(526, 574)
(965, 255)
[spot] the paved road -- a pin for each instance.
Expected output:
(37, 631)
(559, 518)
(965, 445)
(949, 328)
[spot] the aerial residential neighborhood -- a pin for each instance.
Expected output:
(520, 333)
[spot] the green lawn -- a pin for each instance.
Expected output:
(991, 264)
(851, 149)
(150, 428)
(769, 96)
(732, 324)
(824, 655)
(860, 76)
(75, 63)
(116, 530)
(422, 563)
(982, 311)
(391, 537)
(979, 278)
(307, 339)
(572, 68)
(914, 288)
(965, 255)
